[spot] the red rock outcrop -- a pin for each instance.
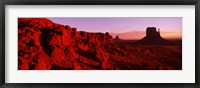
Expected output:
(43, 44)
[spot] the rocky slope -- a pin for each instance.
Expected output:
(43, 44)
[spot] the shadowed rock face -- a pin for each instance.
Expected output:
(153, 37)
(152, 33)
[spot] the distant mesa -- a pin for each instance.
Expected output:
(153, 37)
(117, 38)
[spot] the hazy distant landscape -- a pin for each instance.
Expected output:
(99, 44)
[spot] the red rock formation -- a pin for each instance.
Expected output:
(43, 44)
(153, 38)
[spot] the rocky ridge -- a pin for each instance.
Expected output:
(45, 45)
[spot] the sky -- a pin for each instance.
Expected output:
(125, 27)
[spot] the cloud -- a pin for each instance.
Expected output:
(121, 29)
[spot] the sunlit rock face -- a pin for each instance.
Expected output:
(43, 44)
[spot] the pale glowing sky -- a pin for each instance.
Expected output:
(125, 27)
